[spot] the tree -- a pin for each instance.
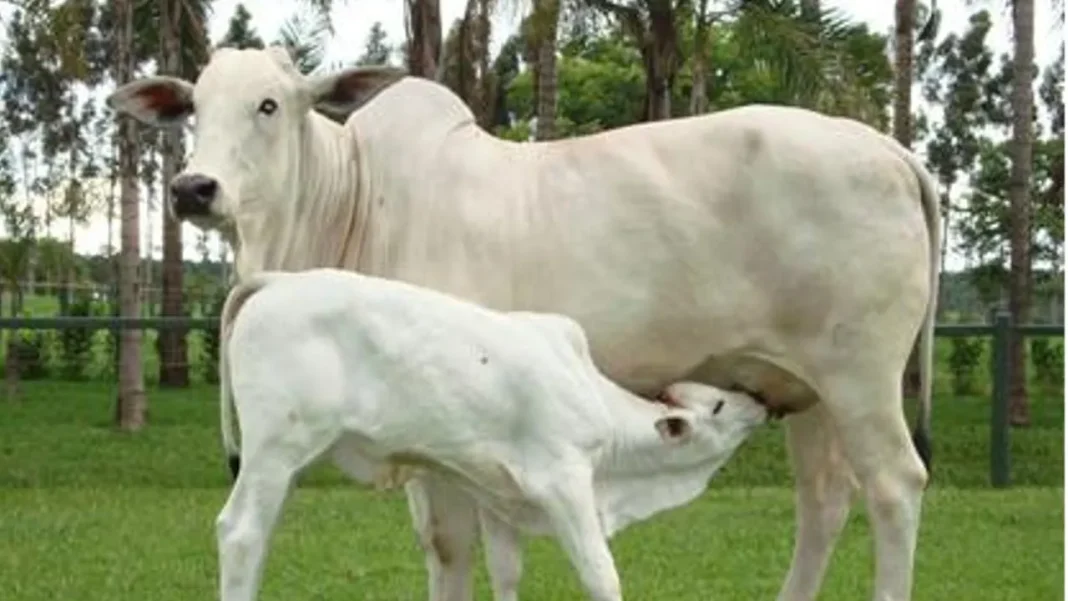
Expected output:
(304, 35)
(377, 51)
(183, 46)
(1023, 17)
(131, 407)
(240, 33)
(422, 24)
(653, 26)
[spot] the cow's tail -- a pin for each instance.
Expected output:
(921, 435)
(234, 301)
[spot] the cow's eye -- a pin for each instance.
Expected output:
(718, 408)
(268, 106)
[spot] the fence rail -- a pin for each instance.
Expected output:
(1000, 331)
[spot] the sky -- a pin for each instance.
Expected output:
(353, 18)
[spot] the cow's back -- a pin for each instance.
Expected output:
(745, 232)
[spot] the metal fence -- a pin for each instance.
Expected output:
(999, 331)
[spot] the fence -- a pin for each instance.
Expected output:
(999, 331)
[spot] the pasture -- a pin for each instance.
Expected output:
(92, 515)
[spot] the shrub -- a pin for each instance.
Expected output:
(1047, 357)
(31, 350)
(76, 344)
(964, 364)
(210, 365)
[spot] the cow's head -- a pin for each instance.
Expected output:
(720, 418)
(251, 109)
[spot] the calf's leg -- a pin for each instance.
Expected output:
(504, 555)
(446, 520)
(569, 503)
(245, 524)
(274, 452)
(823, 495)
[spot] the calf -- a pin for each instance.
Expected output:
(386, 378)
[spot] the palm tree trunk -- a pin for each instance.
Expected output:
(547, 18)
(904, 25)
(424, 37)
(661, 60)
(486, 81)
(131, 406)
(1023, 16)
(699, 92)
(174, 364)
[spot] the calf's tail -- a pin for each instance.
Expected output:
(234, 301)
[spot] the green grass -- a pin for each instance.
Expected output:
(89, 514)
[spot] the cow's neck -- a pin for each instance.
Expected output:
(640, 473)
(317, 224)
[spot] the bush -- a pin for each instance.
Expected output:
(1047, 357)
(210, 365)
(76, 344)
(31, 350)
(964, 364)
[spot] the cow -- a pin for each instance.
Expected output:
(769, 248)
(381, 375)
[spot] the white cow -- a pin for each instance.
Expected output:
(772, 248)
(379, 374)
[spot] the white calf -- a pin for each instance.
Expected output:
(387, 378)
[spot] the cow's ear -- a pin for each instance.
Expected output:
(160, 101)
(345, 91)
(674, 427)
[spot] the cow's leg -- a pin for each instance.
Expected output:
(504, 555)
(569, 503)
(867, 409)
(824, 491)
(446, 520)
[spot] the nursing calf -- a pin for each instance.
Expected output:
(386, 378)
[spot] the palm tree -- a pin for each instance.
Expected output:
(1023, 17)
(653, 26)
(131, 406)
(422, 23)
(544, 25)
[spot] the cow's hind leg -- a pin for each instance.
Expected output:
(866, 406)
(446, 520)
(824, 492)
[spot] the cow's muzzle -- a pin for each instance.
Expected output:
(193, 194)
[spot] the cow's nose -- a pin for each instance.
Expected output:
(193, 194)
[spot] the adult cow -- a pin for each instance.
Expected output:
(773, 248)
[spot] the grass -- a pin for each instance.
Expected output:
(89, 514)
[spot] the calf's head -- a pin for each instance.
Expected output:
(716, 420)
(251, 110)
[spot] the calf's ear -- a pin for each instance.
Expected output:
(345, 91)
(674, 427)
(160, 101)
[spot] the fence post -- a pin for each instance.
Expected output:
(999, 407)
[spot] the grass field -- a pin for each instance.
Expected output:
(89, 514)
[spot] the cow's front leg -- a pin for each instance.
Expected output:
(504, 555)
(446, 519)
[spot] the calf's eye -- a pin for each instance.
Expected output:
(268, 106)
(717, 408)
